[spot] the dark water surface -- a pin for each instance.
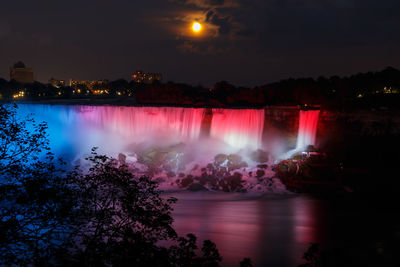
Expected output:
(276, 230)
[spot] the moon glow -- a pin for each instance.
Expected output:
(196, 27)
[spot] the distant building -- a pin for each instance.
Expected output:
(89, 84)
(57, 83)
(142, 77)
(97, 87)
(20, 73)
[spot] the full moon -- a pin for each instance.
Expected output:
(196, 27)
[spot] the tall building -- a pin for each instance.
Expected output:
(142, 77)
(20, 73)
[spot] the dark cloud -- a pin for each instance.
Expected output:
(207, 3)
(280, 21)
(224, 23)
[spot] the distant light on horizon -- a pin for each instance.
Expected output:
(20, 94)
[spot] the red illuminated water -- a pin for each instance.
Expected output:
(240, 128)
(277, 230)
(272, 231)
(237, 128)
(155, 124)
(308, 123)
(76, 129)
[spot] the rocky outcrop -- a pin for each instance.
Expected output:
(259, 156)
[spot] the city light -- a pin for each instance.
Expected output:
(19, 95)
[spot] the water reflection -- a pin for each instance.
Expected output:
(273, 231)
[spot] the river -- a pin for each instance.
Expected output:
(276, 229)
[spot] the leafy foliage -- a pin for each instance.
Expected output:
(312, 256)
(184, 253)
(34, 199)
(20, 140)
(117, 213)
(120, 220)
(246, 262)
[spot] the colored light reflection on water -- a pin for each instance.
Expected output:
(274, 231)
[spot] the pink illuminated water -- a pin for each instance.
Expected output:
(270, 231)
(138, 124)
(308, 123)
(240, 128)
(74, 130)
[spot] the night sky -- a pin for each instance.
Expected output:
(246, 42)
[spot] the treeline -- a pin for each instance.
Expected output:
(363, 90)
(35, 91)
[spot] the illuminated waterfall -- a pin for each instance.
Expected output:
(140, 124)
(306, 134)
(76, 129)
(308, 122)
(240, 128)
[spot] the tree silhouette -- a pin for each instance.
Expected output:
(119, 217)
(34, 199)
